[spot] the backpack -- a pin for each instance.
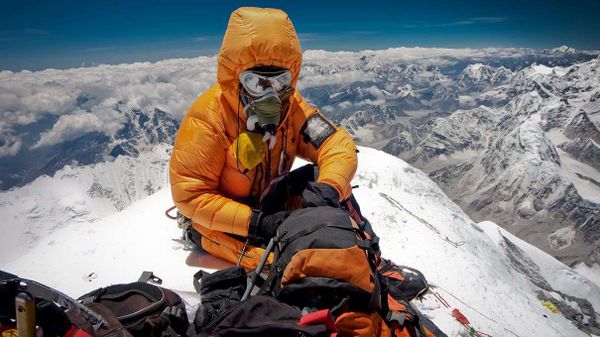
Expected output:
(223, 313)
(144, 309)
(400, 285)
(218, 291)
(124, 310)
(325, 264)
(323, 259)
(265, 316)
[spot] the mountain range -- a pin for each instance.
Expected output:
(511, 135)
(512, 143)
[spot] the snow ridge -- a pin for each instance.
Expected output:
(418, 224)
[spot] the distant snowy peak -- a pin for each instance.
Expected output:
(585, 150)
(373, 115)
(371, 63)
(142, 131)
(479, 74)
(138, 131)
(563, 49)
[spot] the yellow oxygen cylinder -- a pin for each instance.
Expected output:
(25, 312)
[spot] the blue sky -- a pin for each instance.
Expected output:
(61, 34)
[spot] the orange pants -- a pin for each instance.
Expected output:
(229, 249)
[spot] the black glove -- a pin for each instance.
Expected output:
(320, 194)
(265, 225)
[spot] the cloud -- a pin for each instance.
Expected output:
(489, 19)
(69, 127)
(9, 145)
(466, 22)
(206, 38)
(35, 31)
(362, 32)
(307, 37)
(373, 90)
(96, 49)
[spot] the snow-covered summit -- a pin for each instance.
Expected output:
(495, 279)
(478, 74)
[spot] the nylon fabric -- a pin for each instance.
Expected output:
(333, 263)
(248, 149)
(229, 249)
(360, 324)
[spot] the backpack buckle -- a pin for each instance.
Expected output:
(149, 277)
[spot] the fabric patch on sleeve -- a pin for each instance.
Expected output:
(317, 129)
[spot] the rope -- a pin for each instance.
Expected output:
(445, 303)
(399, 206)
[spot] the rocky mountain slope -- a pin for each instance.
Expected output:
(517, 146)
(530, 164)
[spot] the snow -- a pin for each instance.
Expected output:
(76, 196)
(562, 238)
(115, 249)
(570, 168)
(418, 224)
(557, 136)
(591, 273)
(542, 69)
(558, 275)
(466, 99)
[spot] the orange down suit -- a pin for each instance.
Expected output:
(207, 182)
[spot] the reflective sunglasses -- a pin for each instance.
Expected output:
(260, 83)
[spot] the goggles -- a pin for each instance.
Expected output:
(260, 83)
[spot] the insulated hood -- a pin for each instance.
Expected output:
(257, 36)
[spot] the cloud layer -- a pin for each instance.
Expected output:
(93, 98)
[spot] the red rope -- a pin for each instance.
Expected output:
(459, 316)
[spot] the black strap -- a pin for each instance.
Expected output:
(197, 276)
(375, 300)
(285, 242)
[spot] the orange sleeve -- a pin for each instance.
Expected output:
(194, 169)
(336, 157)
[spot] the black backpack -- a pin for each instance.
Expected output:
(144, 309)
(123, 310)
(223, 313)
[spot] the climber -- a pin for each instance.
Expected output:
(230, 165)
